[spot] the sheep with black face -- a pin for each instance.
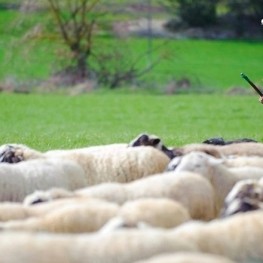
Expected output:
(213, 169)
(245, 196)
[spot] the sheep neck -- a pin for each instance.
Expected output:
(222, 181)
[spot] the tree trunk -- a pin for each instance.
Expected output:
(81, 67)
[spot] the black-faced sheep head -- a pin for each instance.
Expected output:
(8, 154)
(221, 141)
(215, 141)
(245, 196)
(195, 161)
(151, 140)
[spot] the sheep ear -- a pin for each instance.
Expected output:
(141, 139)
(154, 141)
(144, 139)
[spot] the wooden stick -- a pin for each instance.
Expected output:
(252, 84)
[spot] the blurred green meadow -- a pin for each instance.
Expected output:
(211, 65)
(58, 121)
(46, 121)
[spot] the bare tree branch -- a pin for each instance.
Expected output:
(56, 10)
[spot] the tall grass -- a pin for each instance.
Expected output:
(45, 121)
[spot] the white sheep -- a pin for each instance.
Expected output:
(89, 215)
(239, 149)
(71, 217)
(40, 197)
(17, 211)
(239, 161)
(20, 179)
(19, 152)
(124, 246)
(190, 189)
(187, 257)
(148, 212)
(110, 163)
(221, 177)
(156, 212)
(14, 153)
(238, 237)
(246, 195)
(119, 165)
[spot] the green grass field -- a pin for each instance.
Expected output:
(210, 64)
(54, 121)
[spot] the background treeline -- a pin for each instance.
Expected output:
(204, 13)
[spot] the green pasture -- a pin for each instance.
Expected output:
(211, 65)
(58, 121)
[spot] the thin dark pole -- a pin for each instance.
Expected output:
(252, 84)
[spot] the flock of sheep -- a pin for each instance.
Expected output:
(137, 202)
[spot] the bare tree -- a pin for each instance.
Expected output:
(120, 64)
(79, 27)
(76, 22)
